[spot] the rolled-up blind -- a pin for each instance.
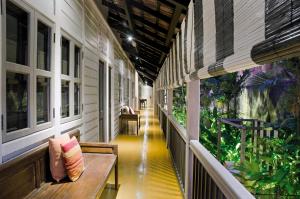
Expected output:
(224, 36)
(282, 31)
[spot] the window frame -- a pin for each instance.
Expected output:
(30, 70)
(71, 78)
(44, 73)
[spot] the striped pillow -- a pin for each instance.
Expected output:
(73, 159)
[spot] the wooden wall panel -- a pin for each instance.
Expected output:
(71, 17)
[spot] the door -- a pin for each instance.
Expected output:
(101, 100)
(109, 104)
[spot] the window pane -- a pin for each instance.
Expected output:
(65, 93)
(16, 101)
(77, 62)
(65, 55)
(43, 46)
(17, 27)
(76, 99)
(43, 99)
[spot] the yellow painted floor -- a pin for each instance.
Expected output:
(145, 167)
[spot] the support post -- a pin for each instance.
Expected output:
(169, 111)
(192, 129)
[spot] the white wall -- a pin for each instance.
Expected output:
(81, 21)
(147, 93)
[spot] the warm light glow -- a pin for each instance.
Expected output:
(145, 166)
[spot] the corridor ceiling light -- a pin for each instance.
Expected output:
(129, 38)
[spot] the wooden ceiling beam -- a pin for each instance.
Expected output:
(113, 7)
(146, 74)
(173, 25)
(141, 39)
(149, 70)
(150, 11)
(150, 24)
(176, 3)
(152, 44)
(149, 81)
(151, 34)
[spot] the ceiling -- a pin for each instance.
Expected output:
(152, 24)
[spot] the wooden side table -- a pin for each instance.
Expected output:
(129, 117)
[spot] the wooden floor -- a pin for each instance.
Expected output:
(145, 167)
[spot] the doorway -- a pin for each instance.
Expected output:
(109, 104)
(101, 100)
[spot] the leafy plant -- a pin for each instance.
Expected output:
(275, 171)
(230, 142)
(179, 105)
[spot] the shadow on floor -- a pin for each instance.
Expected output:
(109, 192)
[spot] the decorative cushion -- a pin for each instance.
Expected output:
(131, 111)
(57, 168)
(73, 159)
(125, 110)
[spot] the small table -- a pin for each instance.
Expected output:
(130, 117)
(143, 103)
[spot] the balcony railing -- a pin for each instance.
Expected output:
(208, 178)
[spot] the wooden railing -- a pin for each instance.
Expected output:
(211, 179)
(164, 121)
(178, 149)
(208, 178)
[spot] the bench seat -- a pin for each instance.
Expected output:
(29, 176)
(97, 170)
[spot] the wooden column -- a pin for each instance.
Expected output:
(169, 111)
(192, 130)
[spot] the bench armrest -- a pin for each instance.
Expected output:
(137, 112)
(95, 147)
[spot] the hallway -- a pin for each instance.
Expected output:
(145, 167)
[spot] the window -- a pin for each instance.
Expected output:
(70, 79)
(17, 29)
(43, 99)
(16, 101)
(27, 82)
(77, 61)
(65, 99)
(43, 46)
(65, 56)
(76, 99)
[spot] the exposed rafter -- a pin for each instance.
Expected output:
(152, 24)
(150, 11)
(175, 18)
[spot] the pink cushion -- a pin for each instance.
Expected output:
(131, 111)
(56, 160)
(73, 159)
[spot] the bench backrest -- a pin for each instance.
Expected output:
(27, 172)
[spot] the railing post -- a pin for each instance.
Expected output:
(169, 111)
(192, 130)
(155, 95)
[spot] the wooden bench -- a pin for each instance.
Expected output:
(29, 176)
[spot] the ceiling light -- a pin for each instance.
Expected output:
(129, 38)
(136, 57)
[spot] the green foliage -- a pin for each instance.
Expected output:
(179, 105)
(276, 171)
(230, 142)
